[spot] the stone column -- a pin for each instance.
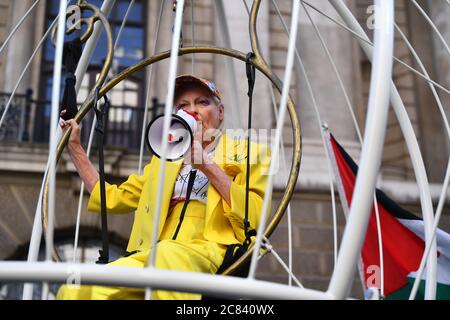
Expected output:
(434, 140)
(439, 12)
(333, 109)
(238, 24)
(20, 47)
(329, 96)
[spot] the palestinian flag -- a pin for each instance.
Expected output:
(402, 236)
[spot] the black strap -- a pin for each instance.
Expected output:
(71, 56)
(251, 84)
(100, 112)
(188, 197)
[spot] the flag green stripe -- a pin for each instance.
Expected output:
(442, 292)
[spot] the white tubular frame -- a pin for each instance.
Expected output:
(319, 119)
(36, 233)
(447, 175)
(167, 112)
(278, 134)
(156, 278)
(358, 132)
(57, 71)
(412, 144)
(342, 278)
(91, 136)
(376, 122)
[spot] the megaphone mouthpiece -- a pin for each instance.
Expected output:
(180, 137)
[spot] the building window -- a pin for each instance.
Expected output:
(127, 98)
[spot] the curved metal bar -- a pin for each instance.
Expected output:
(100, 80)
(378, 108)
(234, 54)
(91, 44)
(86, 21)
(91, 135)
(320, 122)
(56, 85)
(288, 209)
(17, 26)
(283, 160)
(259, 64)
(80, 72)
(280, 123)
(254, 34)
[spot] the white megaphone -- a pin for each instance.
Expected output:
(183, 124)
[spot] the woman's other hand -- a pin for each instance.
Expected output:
(198, 155)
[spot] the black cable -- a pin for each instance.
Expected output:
(100, 112)
(192, 175)
(251, 84)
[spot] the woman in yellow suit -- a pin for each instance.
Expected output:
(215, 214)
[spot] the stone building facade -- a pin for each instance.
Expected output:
(23, 157)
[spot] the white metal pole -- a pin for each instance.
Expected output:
(149, 83)
(429, 244)
(164, 279)
(37, 227)
(167, 112)
(358, 132)
(158, 278)
(320, 122)
(411, 142)
(56, 91)
(447, 175)
(284, 168)
(278, 134)
(378, 108)
(91, 135)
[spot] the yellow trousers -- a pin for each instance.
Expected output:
(190, 252)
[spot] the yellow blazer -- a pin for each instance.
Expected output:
(223, 223)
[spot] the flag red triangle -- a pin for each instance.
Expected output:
(402, 248)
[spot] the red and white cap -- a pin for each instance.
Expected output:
(182, 80)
